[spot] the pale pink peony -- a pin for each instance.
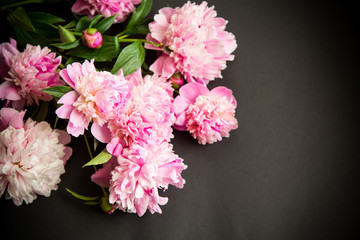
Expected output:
(32, 157)
(207, 115)
(149, 116)
(105, 7)
(97, 97)
(198, 43)
(29, 72)
(135, 176)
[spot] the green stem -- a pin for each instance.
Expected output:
(62, 66)
(91, 156)
(77, 33)
(17, 4)
(131, 40)
(56, 121)
(88, 146)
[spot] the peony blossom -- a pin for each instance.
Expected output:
(207, 115)
(193, 41)
(28, 73)
(32, 157)
(105, 7)
(97, 96)
(135, 176)
(149, 116)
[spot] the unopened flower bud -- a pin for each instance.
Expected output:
(106, 206)
(177, 80)
(92, 38)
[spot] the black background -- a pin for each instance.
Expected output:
(291, 169)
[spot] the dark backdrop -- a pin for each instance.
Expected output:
(290, 171)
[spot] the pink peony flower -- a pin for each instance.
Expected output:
(137, 174)
(149, 116)
(92, 38)
(32, 157)
(207, 115)
(30, 72)
(193, 41)
(105, 7)
(97, 96)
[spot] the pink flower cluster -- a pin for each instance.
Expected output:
(26, 73)
(134, 116)
(32, 157)
(193, 41)
(105, 7)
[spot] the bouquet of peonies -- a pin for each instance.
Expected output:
(88, 76)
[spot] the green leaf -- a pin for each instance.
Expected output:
(71, 60)
(42, 17)
(130, 59)
(139, 14)
(57, 91)
(109, 50)
(46, 31)
(41, 112)
(65, 35)
(67, 46)
(71, 24)
(101, 158)
(105, 24)
(95, 20)
(82, 197)
(19, 18)
(24, 37)
(82, 24)
(137, 29)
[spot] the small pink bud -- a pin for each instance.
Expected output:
(92, 38)
(177, 80)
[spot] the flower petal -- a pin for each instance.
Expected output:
(192, 90)
(164, 66)
(73, 130)
(11, 117)
(64, 137)
(64, 111)
(78, 119)
(226, 92)
(114, 147)
(8, 90)
(69, 98)
(101, 133)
